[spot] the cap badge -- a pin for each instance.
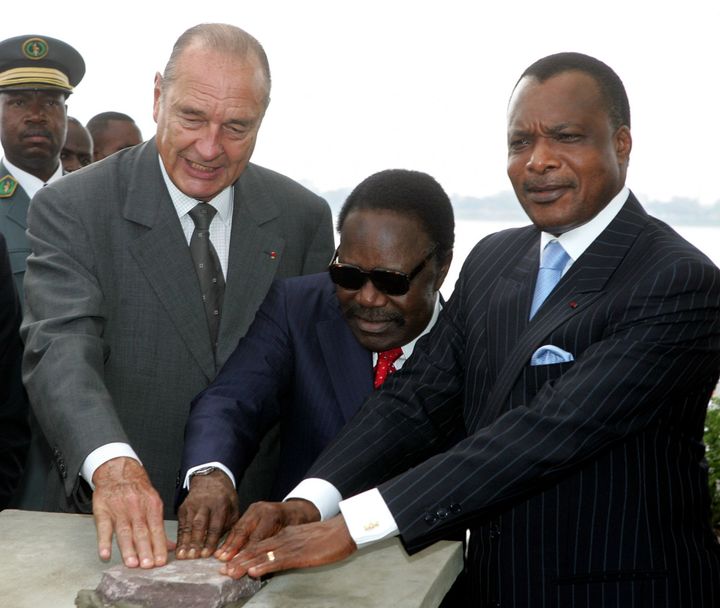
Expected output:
(7, 186)
(35, 48)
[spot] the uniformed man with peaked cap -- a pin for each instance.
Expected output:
(37, 73)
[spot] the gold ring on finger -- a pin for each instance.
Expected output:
(270, 556)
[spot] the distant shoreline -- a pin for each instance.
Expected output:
(503, 206)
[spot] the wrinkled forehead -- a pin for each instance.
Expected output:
(563, 98)
(381, 238)
(222, 69)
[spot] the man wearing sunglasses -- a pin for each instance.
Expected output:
(318, 346)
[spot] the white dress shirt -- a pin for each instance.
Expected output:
(366, 515)
(220, 228)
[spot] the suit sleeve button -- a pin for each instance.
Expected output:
(430, 518)
(455, 507)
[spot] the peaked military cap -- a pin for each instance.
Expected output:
(34, 62)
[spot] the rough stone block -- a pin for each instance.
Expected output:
(181, 584)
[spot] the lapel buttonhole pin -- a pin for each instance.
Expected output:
(573, 304)
(273, 255)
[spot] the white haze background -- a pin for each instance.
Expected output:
(364, 86)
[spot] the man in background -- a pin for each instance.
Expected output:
(133, 305)
(317, 347)
(77, 152)
(112, 132)
(577, 355)
(37, 73)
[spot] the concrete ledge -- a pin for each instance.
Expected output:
(47, 558)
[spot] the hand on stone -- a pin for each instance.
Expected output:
(125, 502)
(207, 512)
(264, 519)
(303, 546)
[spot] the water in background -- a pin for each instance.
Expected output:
(469, 232)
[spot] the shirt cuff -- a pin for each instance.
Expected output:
(368, 518)
(321, 493)
(101, 455)
(217, 465)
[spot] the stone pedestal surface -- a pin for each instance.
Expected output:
(180, 584)
(47, 558)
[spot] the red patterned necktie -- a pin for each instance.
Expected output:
(385, 365)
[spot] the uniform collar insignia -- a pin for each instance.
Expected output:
(8, 184)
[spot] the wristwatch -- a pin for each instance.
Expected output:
(202, 471)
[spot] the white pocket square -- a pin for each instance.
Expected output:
(549, 354)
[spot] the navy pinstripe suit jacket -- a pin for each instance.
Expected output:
(300, 365)
(583, 483)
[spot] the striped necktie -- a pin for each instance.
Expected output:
(207, 267)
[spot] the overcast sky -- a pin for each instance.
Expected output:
(363, 86)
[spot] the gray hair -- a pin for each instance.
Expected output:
(223, 38)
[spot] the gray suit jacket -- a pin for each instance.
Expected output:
(117, 341)
(13, 223)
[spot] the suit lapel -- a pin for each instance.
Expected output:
(583, 284)
(349, 365)
(163, 255)
(510, 299)
(254, 256)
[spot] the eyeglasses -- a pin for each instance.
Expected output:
(390, 282)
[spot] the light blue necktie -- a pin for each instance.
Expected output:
(554, 259)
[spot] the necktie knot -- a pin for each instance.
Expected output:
(385, 365)
(554, 256)
(554, 260)
(202, 214)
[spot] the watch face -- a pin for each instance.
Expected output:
(203, 471)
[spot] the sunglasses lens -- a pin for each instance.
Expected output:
(347, 277)
(391, 283)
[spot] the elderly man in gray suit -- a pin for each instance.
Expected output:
(146, 269)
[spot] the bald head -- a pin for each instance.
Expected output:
(112, 132)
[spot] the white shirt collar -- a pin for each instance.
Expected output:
(29, 182)
(223, 201)
(577, 240)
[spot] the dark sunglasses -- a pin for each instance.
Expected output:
(390, 282)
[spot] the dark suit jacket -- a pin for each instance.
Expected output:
(299, 364)
(583, 483)
(115, 329)
(13, 223)
(14, 207)
(14, 424)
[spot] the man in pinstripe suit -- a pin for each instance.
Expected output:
(581, 475)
